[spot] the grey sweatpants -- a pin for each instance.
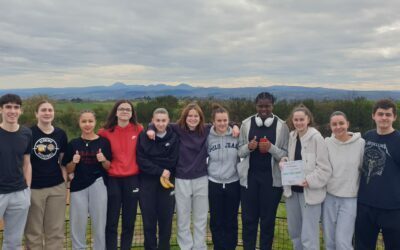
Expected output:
(92, 200)
(14, 209)
(192, 200)
(303, 222)
(338, 220)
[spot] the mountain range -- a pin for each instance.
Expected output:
(121, 90)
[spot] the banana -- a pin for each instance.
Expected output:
(169, 183)
(166, 183)
(163, 184)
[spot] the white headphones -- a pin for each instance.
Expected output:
(267, 123)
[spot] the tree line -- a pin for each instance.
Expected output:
(358, 111)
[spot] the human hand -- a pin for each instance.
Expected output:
(305, 184)
(235, 131)
(253, 144)
(76, 158)
(151, 134)
(166, 173)
(283, 160)
(100, 156)
(264, 145)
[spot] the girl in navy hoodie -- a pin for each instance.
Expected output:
(157, 159)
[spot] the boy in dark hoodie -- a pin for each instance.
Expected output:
(157, 158)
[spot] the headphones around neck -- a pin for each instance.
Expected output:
(267, 123)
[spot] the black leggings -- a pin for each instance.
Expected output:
(122, 193)
(259, 204)
(224, 206)
(157, 206)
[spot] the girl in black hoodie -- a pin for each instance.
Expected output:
(157, 158)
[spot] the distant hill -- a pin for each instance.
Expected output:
(123, 91)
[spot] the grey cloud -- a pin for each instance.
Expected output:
(304, 42)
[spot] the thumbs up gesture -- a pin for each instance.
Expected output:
(100, 156)
(76, 158)
(253, 143)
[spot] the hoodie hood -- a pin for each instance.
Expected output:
(214, 133)
(167, 137)
(307, 136)
(354, 137)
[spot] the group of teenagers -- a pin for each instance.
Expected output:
(351, 184)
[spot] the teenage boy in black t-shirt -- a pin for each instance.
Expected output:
(16, 171)
(378, 206)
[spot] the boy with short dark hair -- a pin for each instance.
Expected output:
(378, 206)
(16, 171)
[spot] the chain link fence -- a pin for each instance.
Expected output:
(281, 238)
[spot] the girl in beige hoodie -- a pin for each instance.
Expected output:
(303, 201)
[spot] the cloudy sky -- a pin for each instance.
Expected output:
(226, 43)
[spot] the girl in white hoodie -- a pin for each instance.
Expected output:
(345, 151)
(303, 201)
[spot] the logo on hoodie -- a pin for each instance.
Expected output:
(218, 146)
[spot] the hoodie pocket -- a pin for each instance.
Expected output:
(309, 163)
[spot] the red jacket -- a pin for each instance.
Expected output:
(123, 149)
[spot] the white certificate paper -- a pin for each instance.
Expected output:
(293, 173)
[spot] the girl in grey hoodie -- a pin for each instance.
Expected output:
(345, 151)
(223, 181)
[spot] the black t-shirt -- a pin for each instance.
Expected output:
(297, 156)
(13, 147)
(261, 163)
(88, 169)
(46, 150)
(380, 173)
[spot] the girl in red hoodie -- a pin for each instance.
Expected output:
(122, 130)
